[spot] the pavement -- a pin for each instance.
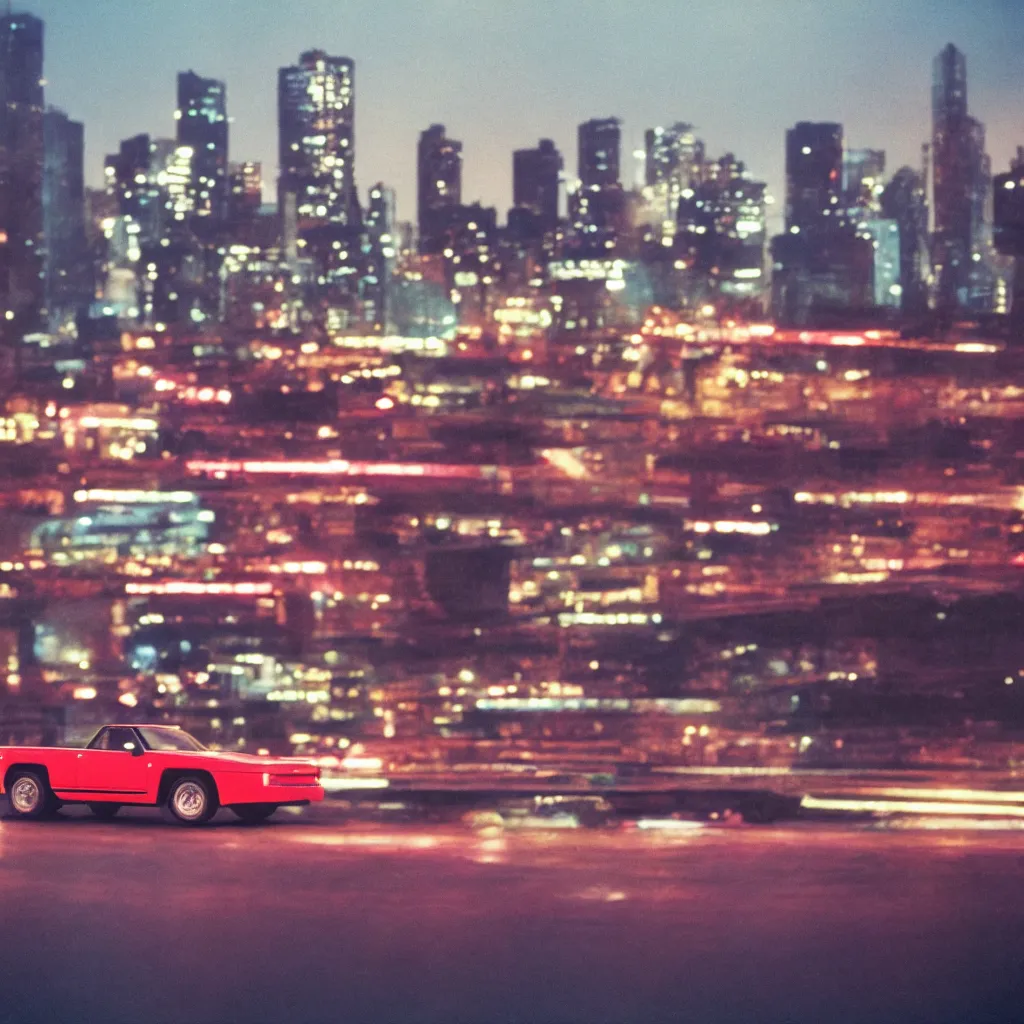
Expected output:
(310, 919)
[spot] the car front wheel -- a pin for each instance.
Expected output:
(29, 795)
(253, 814)
(190, 801)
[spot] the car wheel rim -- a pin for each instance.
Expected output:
(189, 801)
(25, 795)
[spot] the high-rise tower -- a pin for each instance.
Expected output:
(814, 177)
(535, 181)
(961, 174)
(316, 137)
(439, 174)
(21, 174)
(203, 124)
(600, 144)
(68, 279)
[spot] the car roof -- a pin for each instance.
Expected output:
(140, 725)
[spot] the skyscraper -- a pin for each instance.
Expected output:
(674, 162)
(825, 263)
(439, 178)
(961, 184)
(21, 173)
(814, 177)
(672, 154)
(316, 137)
(600, 144)
(203, 125)
(68, 282)
(379, 256)
(904, 201)
(535, 181)
(863, 173)
(245, 190)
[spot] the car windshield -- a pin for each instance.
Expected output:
(169, 739)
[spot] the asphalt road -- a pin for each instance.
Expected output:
(309, 920)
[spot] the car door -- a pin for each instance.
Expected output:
(112, 769)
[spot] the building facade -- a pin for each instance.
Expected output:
(68, 278)
(21, 174)
(961, 190)
(439, 185)
(536, 177)
(203, 125)
(316, 137)
(599, 155)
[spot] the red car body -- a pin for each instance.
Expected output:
(132, 765)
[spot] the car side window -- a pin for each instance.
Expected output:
(117, 738)
(102, 742)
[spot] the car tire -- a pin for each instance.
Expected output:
(190, 801)
(30, 796)
(253, 814)
(105, 812)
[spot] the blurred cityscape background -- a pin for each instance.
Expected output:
(619, 477)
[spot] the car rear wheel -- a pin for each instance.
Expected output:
(105, 812)
(30, 796)
(253, 814)
(190, 801)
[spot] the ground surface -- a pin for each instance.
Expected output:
(309, 920)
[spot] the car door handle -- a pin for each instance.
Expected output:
(79, 755)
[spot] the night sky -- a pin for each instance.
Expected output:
(502, 74)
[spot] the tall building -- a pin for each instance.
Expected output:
(814, 177)
(600, 145)
(885, 242)
(904, 201)
(961, 189)
(722, 232)
(1009, 234)
(439, 180)
(203, 125)
(316, 137)
(863, 181)
(21, 174)
(68, 278)
(673, 164)
(245, 190)
(825, 263)
(380, 250)
(536, 174)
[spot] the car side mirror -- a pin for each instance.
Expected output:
(134, 749)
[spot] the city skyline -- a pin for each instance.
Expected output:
(533, 97)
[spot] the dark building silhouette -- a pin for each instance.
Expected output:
(825, 262)
(203, 125)
(380, 251)
(21, 174)
(535, 181)
(245, 191)
(863, 180)
(962, 174)
(316, 137)
(1009, 233)
(600, 144)
(904, 200)
(68, 282)
(439, 179)
(814, 177)
(673, 156)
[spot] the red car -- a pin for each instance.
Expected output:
(156, 766)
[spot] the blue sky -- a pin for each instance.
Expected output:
(502, 74)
